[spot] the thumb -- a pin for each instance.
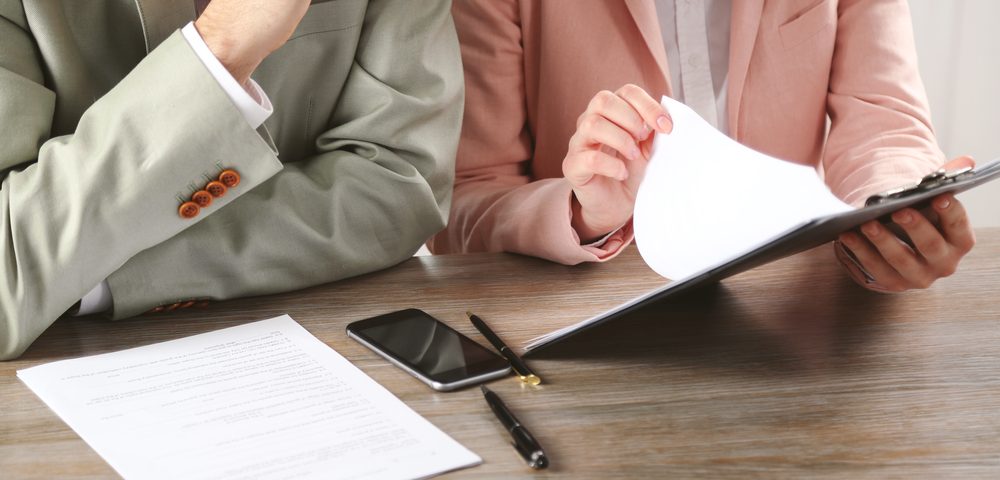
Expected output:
(960, 162)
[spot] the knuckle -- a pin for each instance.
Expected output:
(958, 224)
(966, 245)
(569, 163)
(636, 125)
(624, 140)
(947, 269)
(629, 89)
(602, 100)
(639, 125)
(923, 282)
(936, 247)
(589, 123)
(578, 164)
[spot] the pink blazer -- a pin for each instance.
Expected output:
(532, 66)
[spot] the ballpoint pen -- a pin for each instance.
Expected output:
(524, 443)
(523, 372)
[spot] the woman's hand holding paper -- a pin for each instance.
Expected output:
(607, 157)
(893, 265)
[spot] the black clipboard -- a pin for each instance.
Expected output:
(806, 236)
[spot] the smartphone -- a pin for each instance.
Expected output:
(429, 349)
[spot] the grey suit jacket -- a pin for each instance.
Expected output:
(110, 122)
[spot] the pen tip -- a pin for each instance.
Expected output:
(468, 313)
(484, 389)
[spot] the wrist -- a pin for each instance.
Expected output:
(587, 233)
(230, 52)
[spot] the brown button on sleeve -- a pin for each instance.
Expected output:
(229, 178)
(216, 188)
(202, 198)
(189, 210)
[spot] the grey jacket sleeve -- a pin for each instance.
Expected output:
(379, 187)
(74, 209)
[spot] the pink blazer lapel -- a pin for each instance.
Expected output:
(644, 14)
(745, 23)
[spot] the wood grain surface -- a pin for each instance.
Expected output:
(786, 371)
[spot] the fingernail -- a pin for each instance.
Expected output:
(902, 218)
(944, 203)
(623, 175)
(848, 240)
(664, 124)
(634, 153)
(645, 131)
(871, 229)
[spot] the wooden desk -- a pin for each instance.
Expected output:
(786, 371)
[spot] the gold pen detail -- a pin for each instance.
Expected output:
(520, 368)
(531, 379)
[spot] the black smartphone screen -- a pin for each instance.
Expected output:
(428, 346)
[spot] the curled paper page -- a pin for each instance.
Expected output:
(706, 199)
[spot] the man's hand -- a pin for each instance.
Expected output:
(937, 246)
(607, 158)
(241, 33)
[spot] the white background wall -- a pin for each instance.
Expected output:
(958, 43)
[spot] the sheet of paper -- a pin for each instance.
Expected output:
(707, 199)
(258, 401)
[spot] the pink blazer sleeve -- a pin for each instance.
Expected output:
(496, 205)
(880, 122)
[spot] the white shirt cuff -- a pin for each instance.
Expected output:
(97, 301)
(251, 101)
(600, 243)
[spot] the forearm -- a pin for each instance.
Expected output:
(881, 134)
(506, 213)
(252, 103)
(276, 239)
(115, 186)
(378, 187)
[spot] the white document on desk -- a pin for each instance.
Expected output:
(258, 401)
(706, 199)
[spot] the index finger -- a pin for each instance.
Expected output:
(654, 114)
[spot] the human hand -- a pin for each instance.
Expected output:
(607, 157)
(242, 33)
(894, 266)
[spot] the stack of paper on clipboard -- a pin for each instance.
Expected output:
(689, 228)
